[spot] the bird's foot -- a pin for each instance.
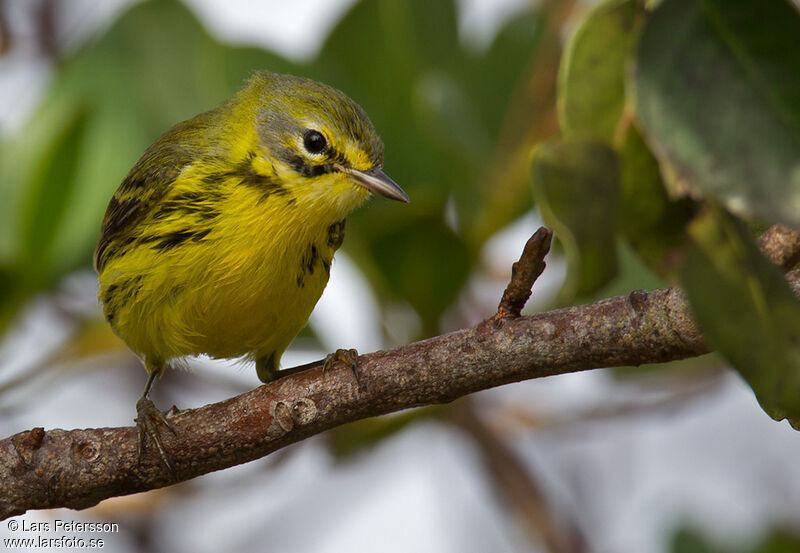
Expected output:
(346, 356)
(148, 419)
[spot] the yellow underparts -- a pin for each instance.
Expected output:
(230, 263)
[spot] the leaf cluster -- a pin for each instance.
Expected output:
(680, 136)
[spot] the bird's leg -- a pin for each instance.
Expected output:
(347, 356)
(267, 368)
(149, 418)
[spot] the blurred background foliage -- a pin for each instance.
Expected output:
(651, 136)
(441, 112)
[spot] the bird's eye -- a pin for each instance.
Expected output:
(314, 142)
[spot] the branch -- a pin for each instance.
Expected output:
(78, 468)
(523, 274)
(781, 246)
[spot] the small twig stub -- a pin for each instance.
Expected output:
(523, 274)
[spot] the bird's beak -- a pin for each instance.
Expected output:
(379, 182)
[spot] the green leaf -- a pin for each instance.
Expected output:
(591, 78)
(494, 78)
(632, 274)
(426, 264)
(652, 224)
(576, 184)
(51, 192)
(690, 540)
(746, 310)
(21, 160)
(529, 117)
(717, 91)
(687, 540)
(780, 541)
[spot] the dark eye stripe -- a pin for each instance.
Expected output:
(303, 167)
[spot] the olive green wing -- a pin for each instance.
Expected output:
(142, 189)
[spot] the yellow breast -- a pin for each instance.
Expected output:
(237, 274)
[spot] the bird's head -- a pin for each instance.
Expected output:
(319, 141)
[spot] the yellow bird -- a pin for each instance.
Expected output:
(220, 239)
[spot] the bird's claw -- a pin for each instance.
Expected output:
(347, 356)
(148, 419)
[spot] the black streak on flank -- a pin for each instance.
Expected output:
(173, 239)
(126, 290)
(109, 294)
(336, 234)
(118, 212)
(118, 215)
(135, 183)
(120, 293)
(182, 206)
(311, 259)
(308, 264)
(246, 174)
(116, 248)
